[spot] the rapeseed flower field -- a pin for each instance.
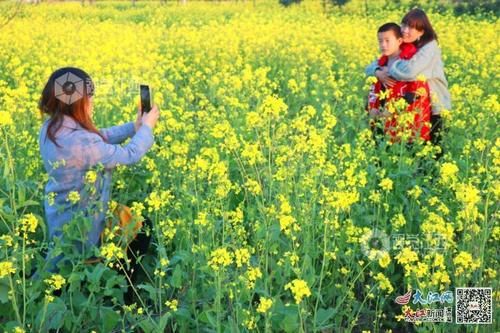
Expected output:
(273, 208)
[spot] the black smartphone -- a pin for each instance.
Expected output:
(145, 98)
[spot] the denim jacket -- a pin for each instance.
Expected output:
(67, 165)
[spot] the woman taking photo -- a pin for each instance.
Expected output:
(79, 158)
(417, 29)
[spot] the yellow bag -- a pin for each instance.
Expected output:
(128, 226)
(127, 231)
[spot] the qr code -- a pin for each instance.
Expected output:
(473, 305)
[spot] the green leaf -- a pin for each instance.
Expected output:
(287, 317)
(4, 293)
(307, 269)
(27, 203)
(164, 321)
(150, 289)
(180, 255)
(94, 277)
(54, 318)
(148, 326)
(79, 300)
(109, 319)
(6, 171)
(177, 277)
(290, 323)
(74, 281)
(208, 317)
(21, 196)
(324, 315)
(114, 284)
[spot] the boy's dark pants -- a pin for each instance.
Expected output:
(437, 133)
(137, 248)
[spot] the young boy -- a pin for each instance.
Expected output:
(382, 100)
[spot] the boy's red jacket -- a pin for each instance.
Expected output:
(416, 94)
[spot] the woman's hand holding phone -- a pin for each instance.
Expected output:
(151, 118)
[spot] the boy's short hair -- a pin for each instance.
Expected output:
(391, 26)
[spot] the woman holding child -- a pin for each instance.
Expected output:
(417, 30)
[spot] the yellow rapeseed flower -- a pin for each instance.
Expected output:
(242, 257)
(6, 268)
(253, 273)
(384, 260)
(465, 263)
(201, 219)
(448, 172)
(220, 258)
(299, 289)
(273, 106)
(251, 152)
(421, 77)
(264, 305)
(73, 197)
(386, 184)
(51, 198)
(253, 187)
(7, 239)
(5, 118)
(172, 304)
(384, 283)
(29, 222)
(111, 251)
(56, 281)
(398, 221)
(90, 177)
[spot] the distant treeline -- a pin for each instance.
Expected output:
(458, 7)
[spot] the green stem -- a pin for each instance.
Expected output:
(301, 319)
(350, 287)
(136, 292)
(267, 327)
(14, 301)
(376, 315)
(363, 303)
(160, 306)
(11, 179)
(320, 275)
(24, 278)
(217, 303)
(485, 236)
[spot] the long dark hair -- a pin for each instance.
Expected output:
(417, 19)
(67, 92)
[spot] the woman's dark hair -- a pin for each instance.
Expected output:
(417, 19)
(67, 92)
(391, 26)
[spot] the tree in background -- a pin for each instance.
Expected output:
(476, 6)
(458, 7)
(9, 10)
(287, 3)
(339, 3)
